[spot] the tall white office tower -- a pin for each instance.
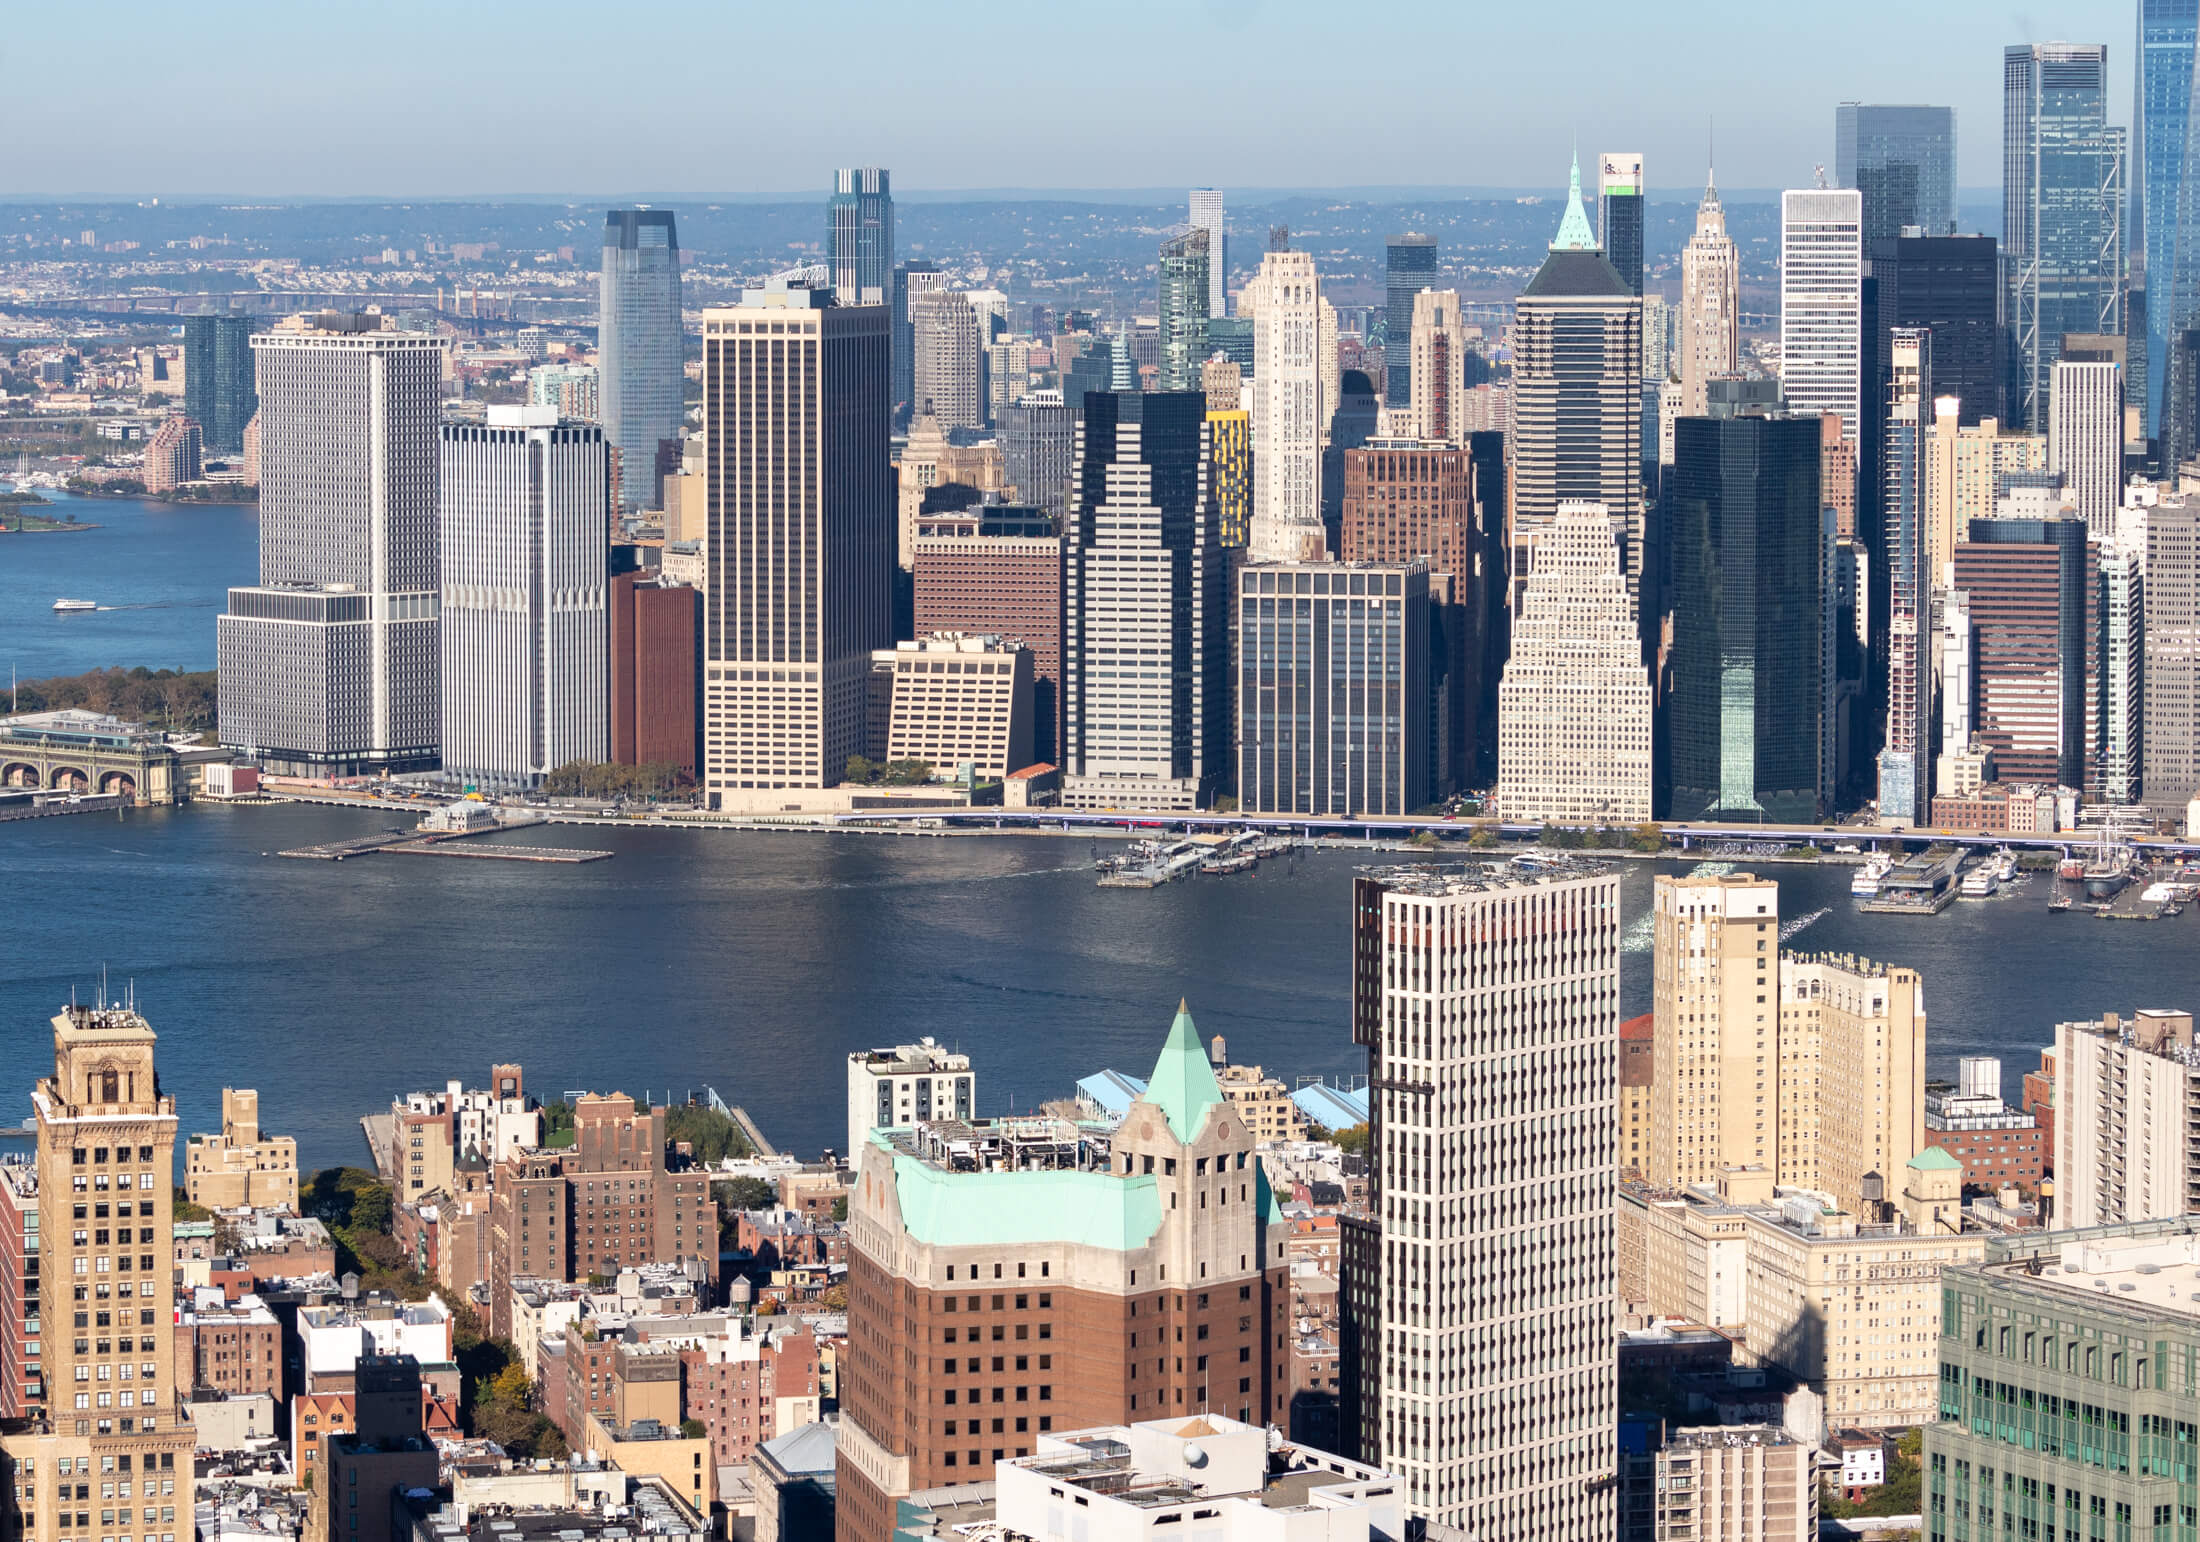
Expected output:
(329, 664)
(526, 630)
(1477, 1354)
(1205, 212)
(2085, 438)
(1905, 761)
(1822, 302)
(1573, 706)
(1284, 300)
(1146, 620)
(1711, 304)
(800, 544)
(2120, 598)
(640, 346)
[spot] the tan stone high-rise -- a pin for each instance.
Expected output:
(1811, 1068)
(1437, 409)
(1715, 1092)
(1711, 304)
(105, 1160)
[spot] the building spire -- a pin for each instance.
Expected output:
(1574, 231)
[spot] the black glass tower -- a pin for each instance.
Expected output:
(1410, 267)
(1903, 160)
(1620, 196)
(1745, 708)
(220, 390)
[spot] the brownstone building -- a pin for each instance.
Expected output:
(1023, 1276)
(656, 687)
(611, 1199)
(737, 1389)
(235, 1349)
(996, 570)
(1637, 1059)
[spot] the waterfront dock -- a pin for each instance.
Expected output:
(444, 848)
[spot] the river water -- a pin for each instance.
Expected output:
(753, 963)
(160, 572)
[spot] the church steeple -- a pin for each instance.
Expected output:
(1575, 234)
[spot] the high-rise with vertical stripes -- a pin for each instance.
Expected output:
(640, 346)
(800, 547)
(1477, 1355)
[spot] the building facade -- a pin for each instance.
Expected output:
(1289, 412)
(996, 569)
(1821, 301)
(1333, 690)
(1204, 209)
(1903, 160)
(656, 710)
(330, 665)
(800, 552)
(1621, 193)
(1183, 308)
(1905, 759)
(2127, 1095)
(1145, 650)
(241, 1168)
(641, 345)
(1711, 305)
(105, 1141)
(220, 381)
(1573, 706)
(2062, 211)
(525, 528)
(1092, 1283)
(174, 455)
(1409, 266)
(947, 359)
(860, 234)
(2085, 438)
(954, 700)
(1039, 450)
(906, 1085)
(2170, 755)
(1503, 998)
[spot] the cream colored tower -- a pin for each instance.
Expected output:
(1852, 1069)
(106, 1175)
(1437, 411)
(1711, 307)
(1715, 1084)
(1284, 301)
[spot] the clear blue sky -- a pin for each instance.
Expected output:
(348, 97)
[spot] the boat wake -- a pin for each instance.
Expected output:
(1789, 929)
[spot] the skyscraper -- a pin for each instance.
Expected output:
(910, 278)
(525, 645)
(1490, 1012)
(1577, 394)
(2085, 434)
(1409, 266)
(2062, 210)
(1903, 160)
(1711, 304)
(947, 378)
(1620, 197)
(106, 1139)
(1284, 300)
(1821, 301)
(2164, 222)
(1951, 284)
(1184, 269)
(1437, 356)
(1573, 708)
(801, 544)
(2030, 589)
(1038, 452)
(2170, 753)
(1205, 212)
(1746, 554)
(1906, 761)
(641, 345)
(860, 235)
(329, 665)
(220, 392)
(1145, 654)
(1333, 688)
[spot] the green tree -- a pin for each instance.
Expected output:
(711, 1135)
(861, 768)
(907, 773)
(840, 1207)
(1353, 1141)
(1649, 837)
(735, 1194)
(1483, 839)
(184, 1209)
(693, 1429)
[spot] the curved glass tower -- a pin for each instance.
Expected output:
(639, 346)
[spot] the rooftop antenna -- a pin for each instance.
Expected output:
(103, 987)
(1820, 171)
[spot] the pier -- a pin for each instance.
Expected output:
(440, 843)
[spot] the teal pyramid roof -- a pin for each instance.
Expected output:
(1933, 1160)
(1183, 1083)
(1574, 231)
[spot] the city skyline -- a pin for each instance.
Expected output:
(1224, 132)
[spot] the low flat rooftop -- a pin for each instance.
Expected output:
(2155, 1273)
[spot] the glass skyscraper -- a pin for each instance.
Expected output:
(2062, 211)
(640, 346)
(2160, 214)
(860, 235)
(1185, 265)
(220, 392)
(1410, 267)
(1744, 715)
(1903, 160)
(912, 277)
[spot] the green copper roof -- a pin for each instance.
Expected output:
(1183, 1083)
(1934, 1160)
(1083, 1209)
(1574, 232)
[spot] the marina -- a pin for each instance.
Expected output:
(1151, 864)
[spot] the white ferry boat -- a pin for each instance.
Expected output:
(1866, 882)
(74, 605)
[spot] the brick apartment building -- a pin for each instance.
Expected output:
(1014, 1278)
(612, 1199)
